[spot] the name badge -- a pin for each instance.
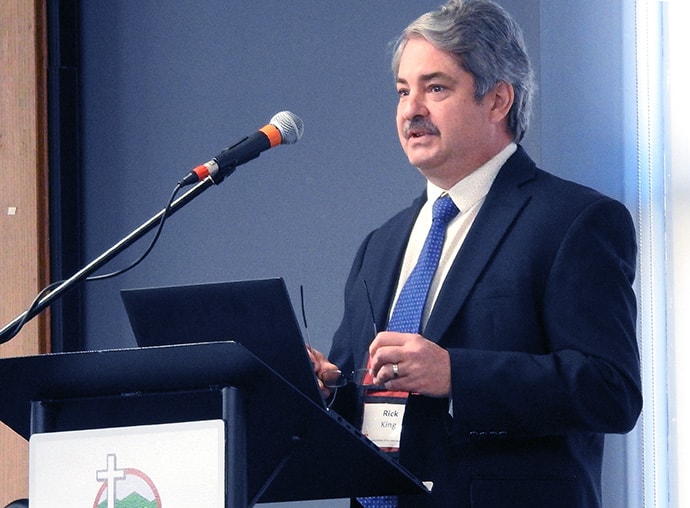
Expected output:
(382, 423)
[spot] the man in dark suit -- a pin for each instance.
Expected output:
(526, 353)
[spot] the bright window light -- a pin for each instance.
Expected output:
(677, 107)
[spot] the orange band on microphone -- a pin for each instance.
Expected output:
(273, 134)
(201, 171)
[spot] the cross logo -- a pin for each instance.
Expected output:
(125, 487)
(110, 476)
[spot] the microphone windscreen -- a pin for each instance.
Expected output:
(291, 126)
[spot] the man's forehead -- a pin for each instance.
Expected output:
(425, 62)
(435, 59)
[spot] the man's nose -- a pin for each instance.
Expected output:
(414, 106)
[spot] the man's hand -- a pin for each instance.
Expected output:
(321, 365)
(409, 362)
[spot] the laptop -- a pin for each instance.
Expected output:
(255, 313)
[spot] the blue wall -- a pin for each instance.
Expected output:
(168, 84)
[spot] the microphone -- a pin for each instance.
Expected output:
(285, 128)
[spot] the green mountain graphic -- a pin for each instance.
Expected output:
(134, 500)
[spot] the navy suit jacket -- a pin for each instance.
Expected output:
(538, 315)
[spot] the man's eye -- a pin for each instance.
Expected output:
(402, 92)
(437, 88)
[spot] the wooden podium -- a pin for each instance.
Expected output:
(280, 445)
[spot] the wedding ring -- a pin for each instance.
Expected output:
(396, 370)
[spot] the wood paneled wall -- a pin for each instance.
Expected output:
(23, 203)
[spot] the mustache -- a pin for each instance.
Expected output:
(419, 124)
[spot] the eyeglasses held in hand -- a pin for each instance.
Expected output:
(335, 379)
(338, 379)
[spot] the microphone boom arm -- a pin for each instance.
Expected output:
(9, 331)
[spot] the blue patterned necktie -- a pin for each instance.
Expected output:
(409, 309)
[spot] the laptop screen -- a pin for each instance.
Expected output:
(256, 313)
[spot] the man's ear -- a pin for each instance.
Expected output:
(503, 96)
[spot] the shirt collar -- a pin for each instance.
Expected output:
(475, 186)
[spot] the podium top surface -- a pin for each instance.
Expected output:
(120, 372)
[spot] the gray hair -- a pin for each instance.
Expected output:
(487, 43)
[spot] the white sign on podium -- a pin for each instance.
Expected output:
(173, 465)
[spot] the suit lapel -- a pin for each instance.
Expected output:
(503, 203)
